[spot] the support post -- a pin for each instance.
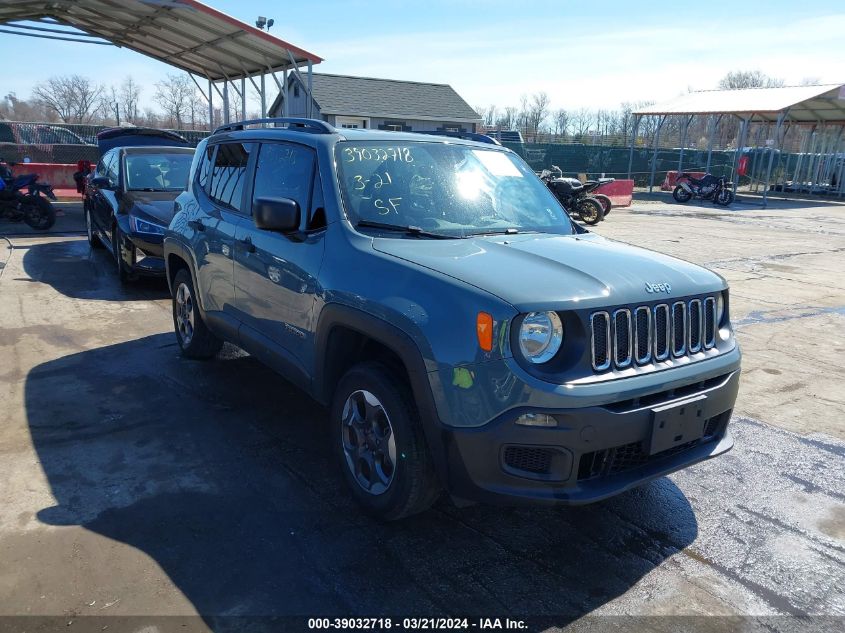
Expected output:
(310, 86)
(243, 98)
(714, 123)
(263, 97)
(740, 143)
(684, 131)
(225, 101)
(654, 153)
(210, 108)
(775, 147)
(285, 106)
(633, 142)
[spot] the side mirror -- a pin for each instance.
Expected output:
(276, 214)
(101, 182)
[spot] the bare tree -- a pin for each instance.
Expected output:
(14, 109)
(810, 81)
(507, 120)
(174, 94)
(561, 119)
(129, 95)
(72, 97)
(536, 112)
(738, 79)
(581, 119)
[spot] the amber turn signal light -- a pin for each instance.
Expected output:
(484, 330)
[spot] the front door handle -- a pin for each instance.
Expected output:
(196, 225)
(247, 244)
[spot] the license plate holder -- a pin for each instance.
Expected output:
(677, 423)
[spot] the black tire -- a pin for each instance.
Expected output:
(681, 195)
(198, 342)
(413, 485)
(606, 202)
(589, 210)
(123, 273)
(93, 238)
(38, 212)
(724, 197)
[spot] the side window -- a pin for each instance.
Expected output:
(112, 166)
(204, 168)
(284, 171)
(228, 174)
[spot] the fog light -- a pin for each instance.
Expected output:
(536, 419)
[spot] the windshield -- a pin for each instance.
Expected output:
(444, 188)
(157, 172)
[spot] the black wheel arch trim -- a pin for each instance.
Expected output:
(171, 246)
(399, 342)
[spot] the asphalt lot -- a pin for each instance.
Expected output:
(138, 483)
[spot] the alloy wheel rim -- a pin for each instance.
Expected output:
(184, 314)
(368, 441)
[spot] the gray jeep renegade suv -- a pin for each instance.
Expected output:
(464, 332)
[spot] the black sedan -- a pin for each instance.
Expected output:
(129, 202)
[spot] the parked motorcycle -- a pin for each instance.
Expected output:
(22, 198)
(591, 185)
(573, 195)
(707, 188)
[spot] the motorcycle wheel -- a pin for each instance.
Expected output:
(605, 202)
(590, 210)
(681, 195)
(38, 212)
(724, 197)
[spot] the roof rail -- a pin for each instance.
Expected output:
(314, 125)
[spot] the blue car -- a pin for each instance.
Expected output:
(129, 198)
(466, 335)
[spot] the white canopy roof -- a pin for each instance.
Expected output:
(825, 103)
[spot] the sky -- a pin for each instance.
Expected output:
(582, 54)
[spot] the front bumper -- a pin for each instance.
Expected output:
(595, 452)
(147, 255)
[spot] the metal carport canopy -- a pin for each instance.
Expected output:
(804, 104)
(186, 34)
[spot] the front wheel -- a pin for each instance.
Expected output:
(38, 212)
(380, 445)
(93, 239)
(194, 338)
(590, 210)
(118, 245)
(606, 203)
(681, 195)
(724, 197)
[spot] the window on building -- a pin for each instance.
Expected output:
(451, 128)
(228, 174)
(295, 90)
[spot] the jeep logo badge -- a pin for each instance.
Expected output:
(658, 288)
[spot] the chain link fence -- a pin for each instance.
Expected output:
(64, 143)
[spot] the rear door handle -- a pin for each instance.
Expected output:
(248, 245)
(197, 225)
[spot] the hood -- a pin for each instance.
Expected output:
(545, 272)
(158, 205)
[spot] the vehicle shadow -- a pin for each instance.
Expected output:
(222, 473)
(76, 270)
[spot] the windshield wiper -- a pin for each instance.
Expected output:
(510, 231)
(409, 230)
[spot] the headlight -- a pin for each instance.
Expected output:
(142, 226)
(720, 307)
(540, 336)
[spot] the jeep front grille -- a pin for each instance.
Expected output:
(639, 335)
